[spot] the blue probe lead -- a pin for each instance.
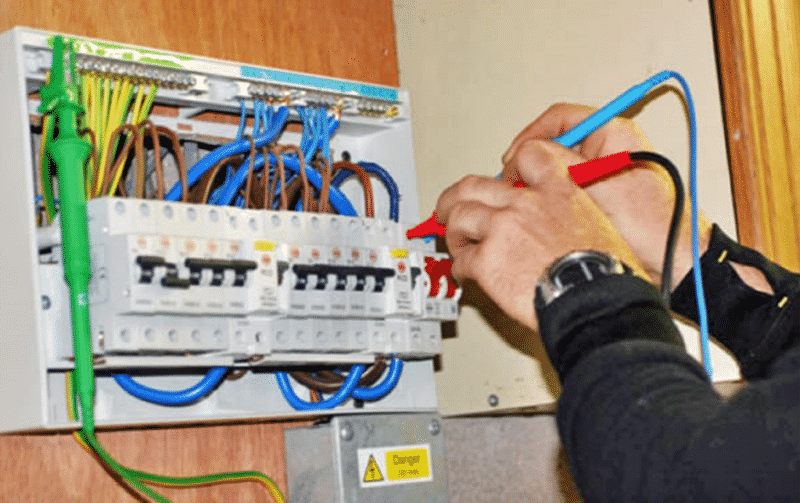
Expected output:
(618, 105)
(613, 109)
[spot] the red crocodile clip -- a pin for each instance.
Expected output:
(582, 174)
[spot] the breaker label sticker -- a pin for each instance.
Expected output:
(402, 464)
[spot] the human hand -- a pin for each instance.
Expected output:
(639, 202)
(505, 237)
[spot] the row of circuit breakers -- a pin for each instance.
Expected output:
(174, 278)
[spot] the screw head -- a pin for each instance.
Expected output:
(46, 303)
(434, 427)
(494, 401)
(346, 432)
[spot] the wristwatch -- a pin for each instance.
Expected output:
(573, 270)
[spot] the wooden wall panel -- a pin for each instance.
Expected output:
(351, 39)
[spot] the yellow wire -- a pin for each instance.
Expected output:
(268, 484)
(106, 106)
(99, 106)
(86, 123)
(138, 117)
(138, 103)
(42, 160)
(109, 112)
(145, 111)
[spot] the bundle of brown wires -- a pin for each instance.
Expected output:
(328, 381)
(135, 140)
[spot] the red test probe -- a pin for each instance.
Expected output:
(582, 174)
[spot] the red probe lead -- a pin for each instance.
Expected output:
(582, 174)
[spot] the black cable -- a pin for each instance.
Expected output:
(675, 224)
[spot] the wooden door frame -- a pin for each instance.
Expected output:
(758, 50)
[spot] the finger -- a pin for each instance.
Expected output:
(488, 191)
(468, 224)
(464, 264)
(555, 121)
(536, 161)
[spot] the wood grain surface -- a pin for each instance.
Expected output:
(759, 53)
(350, 39)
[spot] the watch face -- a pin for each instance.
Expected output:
(581, 270)
(575, 269)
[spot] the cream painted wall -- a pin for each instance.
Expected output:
(479, 71)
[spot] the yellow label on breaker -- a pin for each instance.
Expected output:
(407, 464)
(399, 253)
(263, 245)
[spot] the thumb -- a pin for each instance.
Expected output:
(537, 161)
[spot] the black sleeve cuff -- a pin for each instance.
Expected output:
(609, 309)
(756, 327)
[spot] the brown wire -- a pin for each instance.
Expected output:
(292, 189)
(369, 205)
(181, 161)
(93, 140)
(265, 177)
(279, 171)
(249, 183)
(324, 194)
(119, 162)
(307, 195)
(212, 174)
(327, 381)
(149, 126)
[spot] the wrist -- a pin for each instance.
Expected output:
(683, 261)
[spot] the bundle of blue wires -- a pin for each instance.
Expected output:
(268, 124)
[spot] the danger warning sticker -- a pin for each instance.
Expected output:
(401, 464)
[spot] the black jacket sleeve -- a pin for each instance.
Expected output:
(756, 327)
(638, 418)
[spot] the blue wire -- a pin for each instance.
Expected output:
(229, 150)
(337, 399)
(389, 183)
(616, 107)
(172, 398)
(257, 117)
(339, 201)
(384, 387)
(265, 118)
(384, 177)
(698, 277)
(242, 120)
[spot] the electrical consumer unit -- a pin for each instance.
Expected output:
(247, 243)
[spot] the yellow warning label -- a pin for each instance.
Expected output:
(373, 472)
(399, 253)
(407, 464)
(264, 246)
